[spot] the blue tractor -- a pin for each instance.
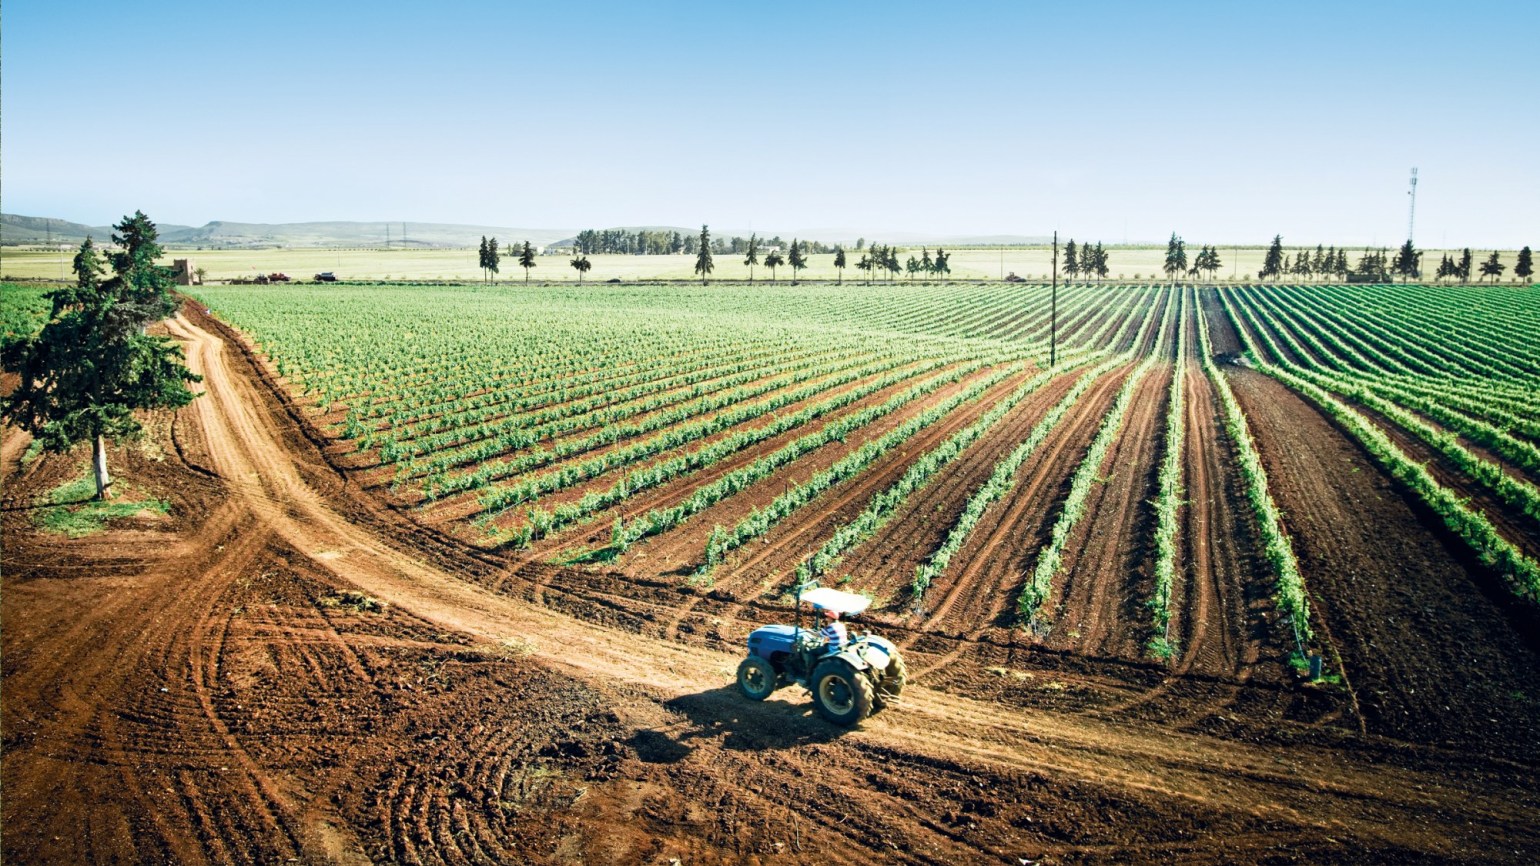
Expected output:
(847, 684)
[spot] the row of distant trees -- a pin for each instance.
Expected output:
(1079, 259)
(1380, 266)
(647, 242)
(491, 258)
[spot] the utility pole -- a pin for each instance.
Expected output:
(1411, 217)
(1053, 328)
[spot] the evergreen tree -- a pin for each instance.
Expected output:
(1318, 262)
(1524, 268)
(795, 258)
(1071, 260)
(913, 266)
(1445, 269)
(891, 260)
(1408, 262)
(494, 258)
(1214, 264)
(527, 260)
(1272, 265)
(839, 264)
(942, 268)
(1493, 268)
(927, 264)
(82, 376)
(481, 257)
(865, 264)
(1176, 257)
(1462, 270)
(703, 258)
(1199, 263)
(1098, 260)
(860, 244)
(752, 258)
(581, 264)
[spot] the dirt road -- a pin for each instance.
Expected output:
(208, 691)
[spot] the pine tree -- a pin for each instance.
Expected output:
(1318, 262)
(1071, 260)
(1098, 260)
(703, 258)
(1445, 268)
(1272, 265)
(795, 258)
(839, 264)
(82, 376)
(494, 258)
(1176, 257)
(1524, 268)
(527, 260)
(942, 267)
(1462, 270)
(481, 257)
(1407, 262)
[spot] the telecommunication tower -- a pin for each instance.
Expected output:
(1411, 217)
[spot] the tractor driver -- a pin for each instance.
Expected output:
(833, 632)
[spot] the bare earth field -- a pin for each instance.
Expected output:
(294, 666)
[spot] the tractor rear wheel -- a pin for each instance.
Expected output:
(842, 694)
(756, 678)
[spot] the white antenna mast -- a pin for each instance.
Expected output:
(1411, 218)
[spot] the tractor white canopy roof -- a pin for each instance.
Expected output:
(835, 600)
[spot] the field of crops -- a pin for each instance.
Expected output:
(1221, 482)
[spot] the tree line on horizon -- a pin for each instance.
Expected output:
(1079, 259)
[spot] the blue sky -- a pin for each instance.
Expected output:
(1227, 122)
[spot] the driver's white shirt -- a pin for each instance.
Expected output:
(834, 635)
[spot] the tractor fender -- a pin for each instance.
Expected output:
(867, 655)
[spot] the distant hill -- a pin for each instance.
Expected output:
(15, 229)
(220, 234)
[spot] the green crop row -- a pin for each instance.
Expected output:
(1289, 588)
(759, 521)
(884, 505)
(1521, 572)
(441, 485)
(1037, 589)
(1168, 498)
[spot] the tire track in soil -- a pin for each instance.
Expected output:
(948, 779)
(917, 734)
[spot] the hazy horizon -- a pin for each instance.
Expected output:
(1122, 122)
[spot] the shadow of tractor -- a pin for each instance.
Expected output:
(724, 715)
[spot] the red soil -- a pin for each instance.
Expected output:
(198, 689)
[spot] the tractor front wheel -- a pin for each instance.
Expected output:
(842, 694)
(756, 678)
